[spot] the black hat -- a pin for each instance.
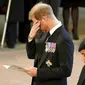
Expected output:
(82, 45)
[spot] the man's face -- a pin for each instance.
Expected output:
(83, 55)
(43, 23)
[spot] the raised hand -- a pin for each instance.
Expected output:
(34, 29)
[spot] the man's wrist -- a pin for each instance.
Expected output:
(30, 39)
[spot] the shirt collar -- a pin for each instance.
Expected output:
(54, 28)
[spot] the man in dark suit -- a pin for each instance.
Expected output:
(81, 80)
(52, 49)
(55, 4)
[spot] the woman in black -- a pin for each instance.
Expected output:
(73, 5)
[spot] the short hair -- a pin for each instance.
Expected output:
(40, 9)
(82, 45)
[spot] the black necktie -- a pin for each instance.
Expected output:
(48, 34)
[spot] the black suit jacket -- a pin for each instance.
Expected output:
(55, 5)
(61, 59)
(81, 80)
(16, 11)
(1, 2)
(19, 9)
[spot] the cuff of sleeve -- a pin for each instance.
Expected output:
(29, 40)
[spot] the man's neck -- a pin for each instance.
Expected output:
(52, 23)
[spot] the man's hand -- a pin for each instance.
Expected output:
(32, 71)
(34, 29)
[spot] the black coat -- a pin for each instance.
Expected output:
(19, 9)
(16, 11)
(72, 3)
(61, 58)
(81, 80)
(1, 2)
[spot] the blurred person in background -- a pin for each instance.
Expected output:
(71, 7)
(81, 49)
(18, 23)
(16, 14)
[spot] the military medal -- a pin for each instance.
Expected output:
(53, 47)
(47, 47)
(48, 62)
(50, 47)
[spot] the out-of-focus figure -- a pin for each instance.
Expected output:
(16, 14)
(18, 18)
(81, 80)
(73, 5)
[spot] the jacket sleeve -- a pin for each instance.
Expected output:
(65, 55)
(6, 3)
(30, 49)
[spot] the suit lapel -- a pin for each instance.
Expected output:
(42, 59)
(42, 38)
(44, 54)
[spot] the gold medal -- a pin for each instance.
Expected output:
(48, 62)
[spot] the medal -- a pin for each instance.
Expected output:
(48, 62)
(50, 47)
